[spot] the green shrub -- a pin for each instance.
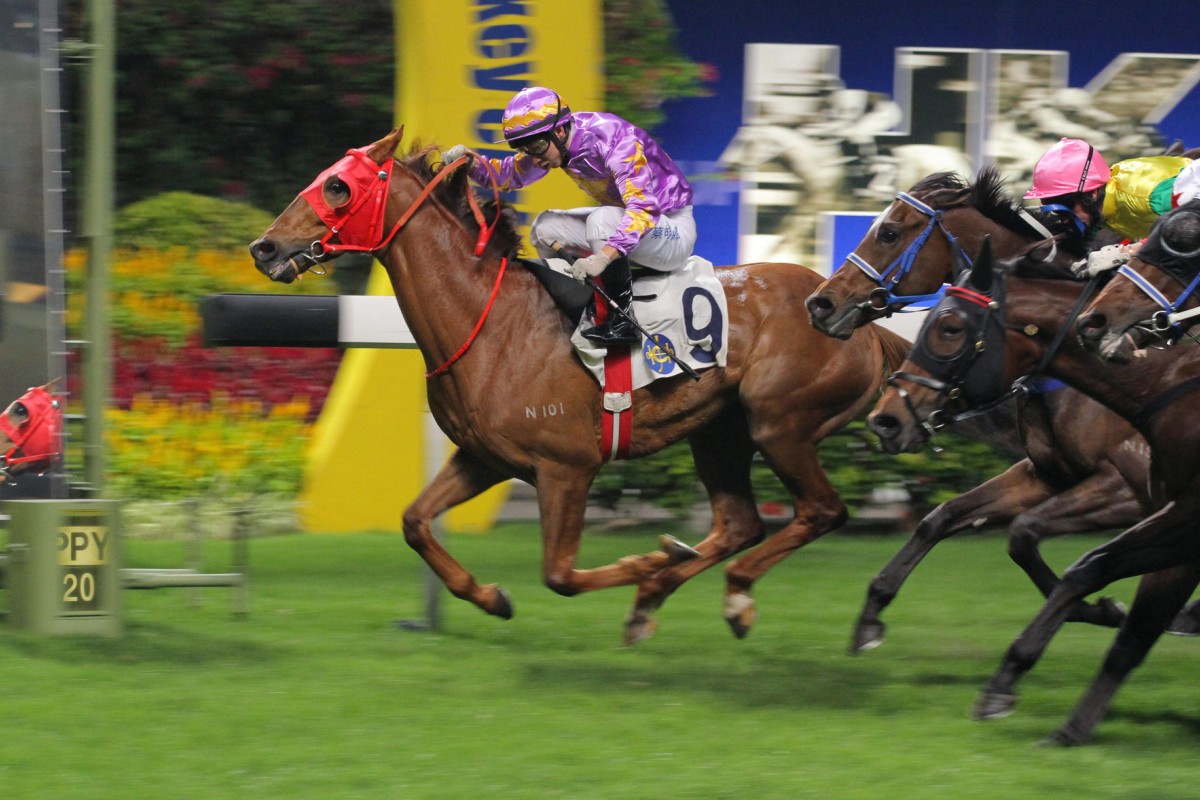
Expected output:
(182, 219)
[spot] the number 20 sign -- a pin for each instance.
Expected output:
(83, 552)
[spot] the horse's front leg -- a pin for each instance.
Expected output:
(562, 492)
(995, 501)
(460, 479)
(1164, 540)
(1159, 596)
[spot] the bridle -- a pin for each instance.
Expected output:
(1183, 267)
(884, 299)
(359, 223)
(1164, 323)
(32, 424)
(975, 373)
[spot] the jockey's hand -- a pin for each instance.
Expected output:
(455, 153)
(1102, 260)
(591, 266)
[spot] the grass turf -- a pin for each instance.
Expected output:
(317, 695)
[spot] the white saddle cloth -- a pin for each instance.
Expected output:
(685, 310)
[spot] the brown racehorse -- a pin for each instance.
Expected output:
(784, 389)
(1083, 462)
(1018, 319)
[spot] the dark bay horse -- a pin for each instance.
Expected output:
(1018, 322)
(784, 389)
(1083, 462)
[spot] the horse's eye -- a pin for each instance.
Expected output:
(888, 235)
(947, 336)
(17, 413)
(337, 193)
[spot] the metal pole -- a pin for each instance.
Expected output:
(97, 231)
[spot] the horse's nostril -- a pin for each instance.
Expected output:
(818, 307)
(262, 250)
(885, 426)
(1092, 325)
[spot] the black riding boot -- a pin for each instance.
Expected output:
(618, 329)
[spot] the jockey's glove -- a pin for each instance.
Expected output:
(590, 267)
(1102, 260)
(454, 154)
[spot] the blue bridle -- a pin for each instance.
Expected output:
(895, 272)
(1168, 319)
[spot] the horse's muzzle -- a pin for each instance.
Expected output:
(268, 261)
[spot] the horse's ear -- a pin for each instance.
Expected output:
(382, 150)
(981, 274)
(52, 385)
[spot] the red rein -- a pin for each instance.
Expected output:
(372, 182)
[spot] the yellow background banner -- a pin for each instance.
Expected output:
(458, 62)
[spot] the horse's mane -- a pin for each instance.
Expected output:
(452, 193)
(990, 197)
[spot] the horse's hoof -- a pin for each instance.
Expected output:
(867, 636)
(740, 613)
(1184, 624)
(638, 629)
(677, 551)
(501, 605)
(1112, 613)
(1064, 737)
(994, 705)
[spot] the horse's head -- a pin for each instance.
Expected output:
(30, 432)
(341, 210)
(916, 246)
(1132, 314)
(958, 358)
(913, 264)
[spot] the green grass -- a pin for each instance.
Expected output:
(317, 695)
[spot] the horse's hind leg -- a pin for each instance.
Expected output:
(1164, 540)
(993, 502)
(562, 499)
(460, 479)
(1104, 501)
(1158, 597)
(818, 510)
(722, 453)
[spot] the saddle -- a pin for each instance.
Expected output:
(684, 310)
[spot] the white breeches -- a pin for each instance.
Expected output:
(665, 247)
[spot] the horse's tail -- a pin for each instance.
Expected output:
(895, 348)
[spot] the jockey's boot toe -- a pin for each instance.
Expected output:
(618, 331)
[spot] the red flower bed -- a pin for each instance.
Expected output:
(194, 373)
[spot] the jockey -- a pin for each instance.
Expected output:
(1073, 179)
(645, 212)
(1070, 180)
